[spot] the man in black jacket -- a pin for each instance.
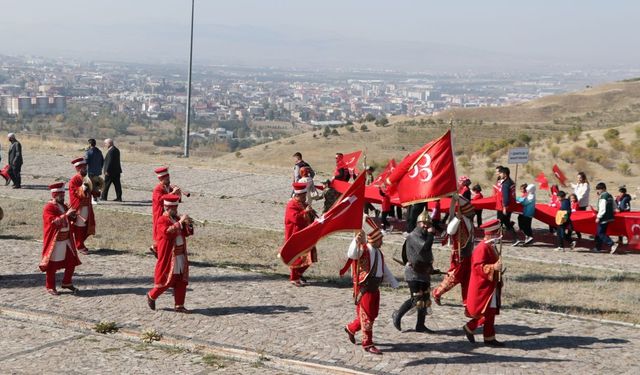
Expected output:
(112, 170)
(15, 160)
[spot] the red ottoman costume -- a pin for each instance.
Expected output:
(483, 299)
(58, 251)
(80, 200)
(298, 216)
(369, 271)
(172, 267)
(460, 233)
(157, 207)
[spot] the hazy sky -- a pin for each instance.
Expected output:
(405, 35)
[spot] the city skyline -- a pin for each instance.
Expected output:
(404, 36)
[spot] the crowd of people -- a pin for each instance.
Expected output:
(474, 265)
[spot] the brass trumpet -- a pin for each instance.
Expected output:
(183, 192)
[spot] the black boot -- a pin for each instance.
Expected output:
(420, 327)
(398, 314)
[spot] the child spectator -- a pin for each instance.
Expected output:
(623, 204)
(476, 193)
(553, 201)
(563, 230)
(528, 201)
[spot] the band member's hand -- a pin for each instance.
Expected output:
(431, 230)
(498, 266)
(71, 212)
(504, 211)
(360, 237)
(176, 191)
(183, 218)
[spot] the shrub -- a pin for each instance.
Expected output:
(574, 132)
(335, 132)
(364, 128)
(611, 134)
(637, 129)
(592, 143)
(489, 173)
(464, 161)
(369, 117)
(382, 121)
(555, 150)
(558, 137)
(624, 168)
(524, 138)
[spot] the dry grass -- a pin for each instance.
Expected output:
(561, 288)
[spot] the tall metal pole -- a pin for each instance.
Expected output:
(188, 120)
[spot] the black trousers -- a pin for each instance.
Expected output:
(524, 223)
(108, 180)
(506, 220)
(14, 173)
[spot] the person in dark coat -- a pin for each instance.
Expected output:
(417, 272)
(95, 161)
(112, 171)
(15, 160)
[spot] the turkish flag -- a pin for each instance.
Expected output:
(391, 165)
(345, 215)
(559, 175)
(542, 180)
(632, 224)
(426, 174)
(350, 161)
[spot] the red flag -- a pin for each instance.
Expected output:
(426, 174)
(345, 215)
(391, 165)
(632, 224)
(350, 161)
(542, 180)
(559, 175)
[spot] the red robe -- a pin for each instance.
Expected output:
(78, 197)
(157, 206)
(53, 219)
(296, 219)
(167, 232)
(483, 282)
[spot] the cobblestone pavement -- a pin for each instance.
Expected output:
(285, 329)
(227, 196)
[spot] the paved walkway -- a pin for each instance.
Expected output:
(269, 326)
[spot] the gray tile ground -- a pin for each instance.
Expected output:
(263, 314)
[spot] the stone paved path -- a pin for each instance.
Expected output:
(262, 319)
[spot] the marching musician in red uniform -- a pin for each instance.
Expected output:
(460, 234)
(369, 270)
(172, 267)
(298, 215)
(80, 200)
(58, 251)
(161, 189)
(485, 283)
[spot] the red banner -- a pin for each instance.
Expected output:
(426, 174)
(391, 165)
(559, 175)
(632, 224)
(541, 179)
(350, 161)
(345, 215)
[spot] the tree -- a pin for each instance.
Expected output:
(382, 121)
(364, 128)
(326, 132)
(369, 117)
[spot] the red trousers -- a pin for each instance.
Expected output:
(179, 290)
(79, 236)
(52, 267)
(366, 313)
(296, 273)
(488, 319)
(459, 273)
